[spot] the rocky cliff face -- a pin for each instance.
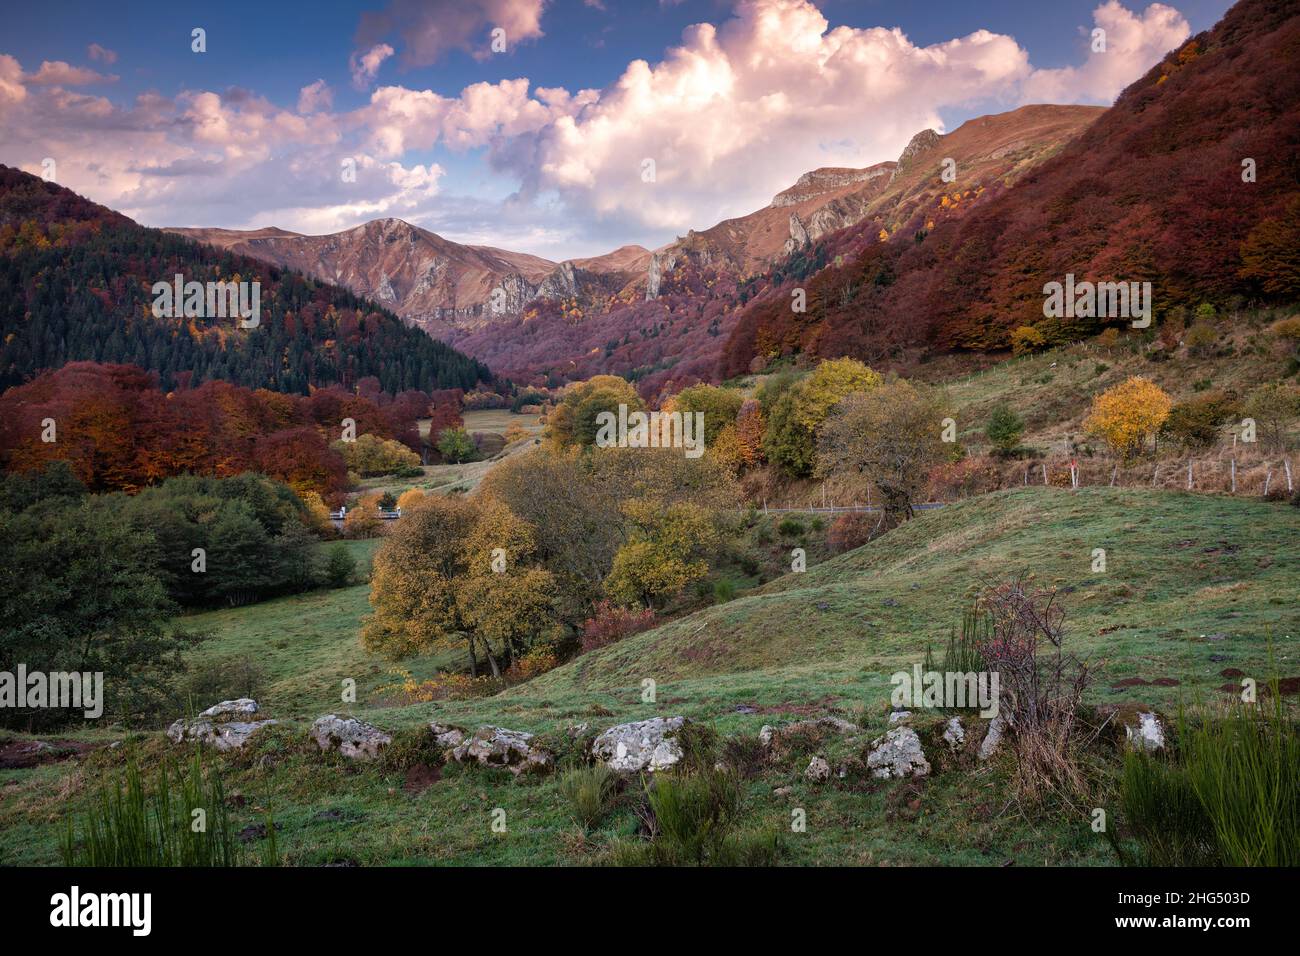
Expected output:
(439, 285)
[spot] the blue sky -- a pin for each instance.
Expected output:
(225, 138)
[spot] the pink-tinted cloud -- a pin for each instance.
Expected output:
(315, 97)
(101, 53)
(58, 73)
(731, 115)
(364, 66)
(428, 29)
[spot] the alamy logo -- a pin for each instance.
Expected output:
(953, 690)
(103, 909)
(653, 430)
(212, 300)
(1098, 300)
(58, 689)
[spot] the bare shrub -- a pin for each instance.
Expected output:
(1041, 684)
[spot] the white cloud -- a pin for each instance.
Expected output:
(1133, 44)
(731, 115)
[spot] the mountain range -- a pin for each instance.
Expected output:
(947, 247)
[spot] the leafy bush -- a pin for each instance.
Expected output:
(791, 528)
(537, 661)
(1004, 429)
(610, 622)
(339, 566)
(370, 455)
(1196, 422)
(1026, 340)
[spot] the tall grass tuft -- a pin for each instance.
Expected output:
(131, 825)
(1230, 796)
(1245, 769)
(962, 653)
(589, 791)
(692, 821)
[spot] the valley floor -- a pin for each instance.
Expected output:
(1195, 584)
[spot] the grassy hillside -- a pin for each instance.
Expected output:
(1182, 568)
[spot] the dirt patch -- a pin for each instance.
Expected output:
(1232, 672)
(21, 754)
(1131, 682)
(904, 803)
(420, 778)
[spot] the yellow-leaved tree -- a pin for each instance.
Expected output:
(573, 422)
(801, 408)
(666, 550)
(1126, 415)
(458, 572)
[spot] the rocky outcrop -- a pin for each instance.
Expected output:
(355, 739)
(898, 754)
(217, 727)
(922, 142)
(642, 745)
(661, 263)
(813, 184)
(447, 736)
(498, 747)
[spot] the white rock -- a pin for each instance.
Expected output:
(355, 739)
(446, 735)
(819, 771)
(989, 745)
(898, 754)
(243, 706)
(898, 716)
(641, 745)
(1148, 734)
(223, 736)
(954, 733)
(215, 727)
(500, 747)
